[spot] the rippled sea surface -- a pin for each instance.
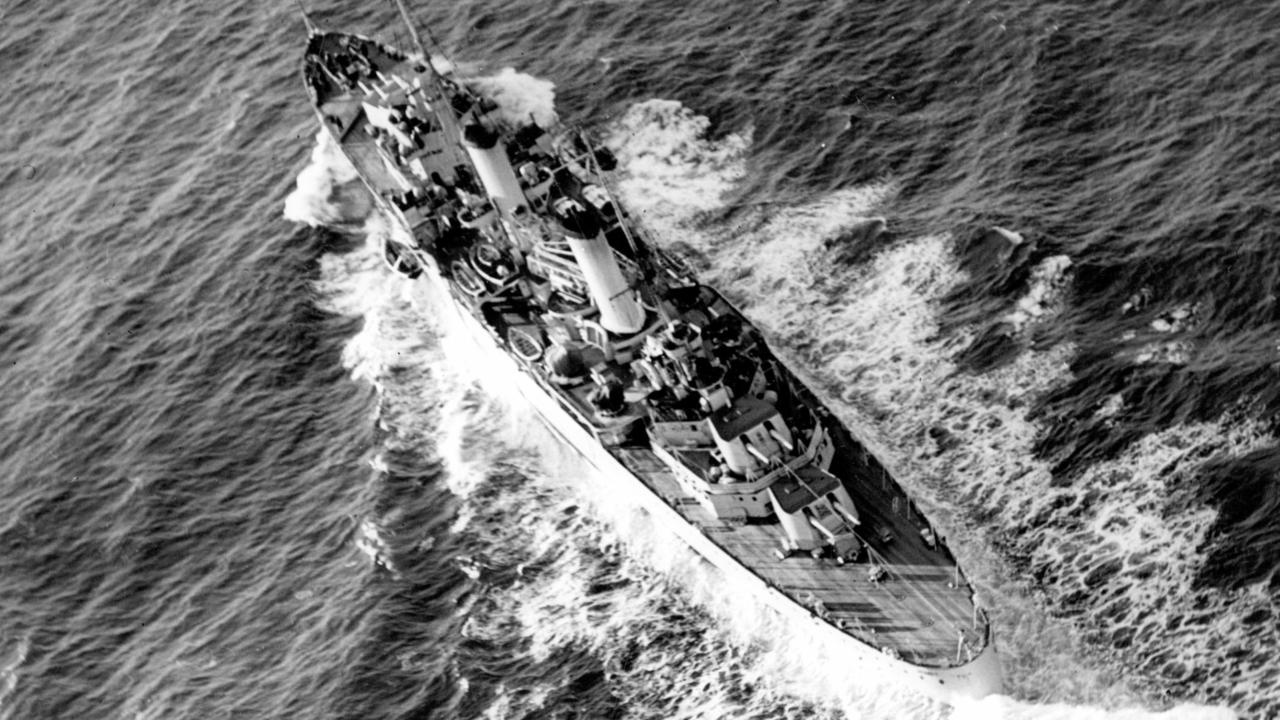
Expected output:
(246, 473)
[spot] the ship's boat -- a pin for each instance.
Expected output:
(652, 377)
(403, 260)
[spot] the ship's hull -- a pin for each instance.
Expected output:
(977, 678)
(637, 481)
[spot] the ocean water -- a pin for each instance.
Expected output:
(246, 472)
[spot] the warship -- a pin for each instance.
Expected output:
(654, 378)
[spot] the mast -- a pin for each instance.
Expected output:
(444, 106)
(643, 259)
(306, 19)
(413, 33)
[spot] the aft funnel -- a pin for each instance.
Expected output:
(620, 312)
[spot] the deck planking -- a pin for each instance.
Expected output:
(918, 611)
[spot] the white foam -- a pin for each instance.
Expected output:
(1044, 297)
(472, 426)
(520, 96)
(358, 284)
(1131, 520)
(868, 336)
(312, 201)
(11, 661)
(666, 584)
(370, 542)
(999, 707)
(442, 65)
(669, 163)
(1181, 318)
(1110, 407)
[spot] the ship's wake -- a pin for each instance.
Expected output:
(615, 617)
(581, 584)
(328, 191)
(577, 591)
(1119, 546)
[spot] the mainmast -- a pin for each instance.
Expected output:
(311, 27)
(443, 106)
(413, 33)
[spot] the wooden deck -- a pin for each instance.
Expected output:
(917, 610)
(369, 159)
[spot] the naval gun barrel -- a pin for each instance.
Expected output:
(844, 513)
(782, 440)
(822, 529)
(764, 459)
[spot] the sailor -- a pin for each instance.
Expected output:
(529, 174)
(875, 573)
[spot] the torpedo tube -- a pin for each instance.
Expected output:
(620, 312)
(496, 174)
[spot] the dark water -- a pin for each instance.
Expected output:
(218, 418)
